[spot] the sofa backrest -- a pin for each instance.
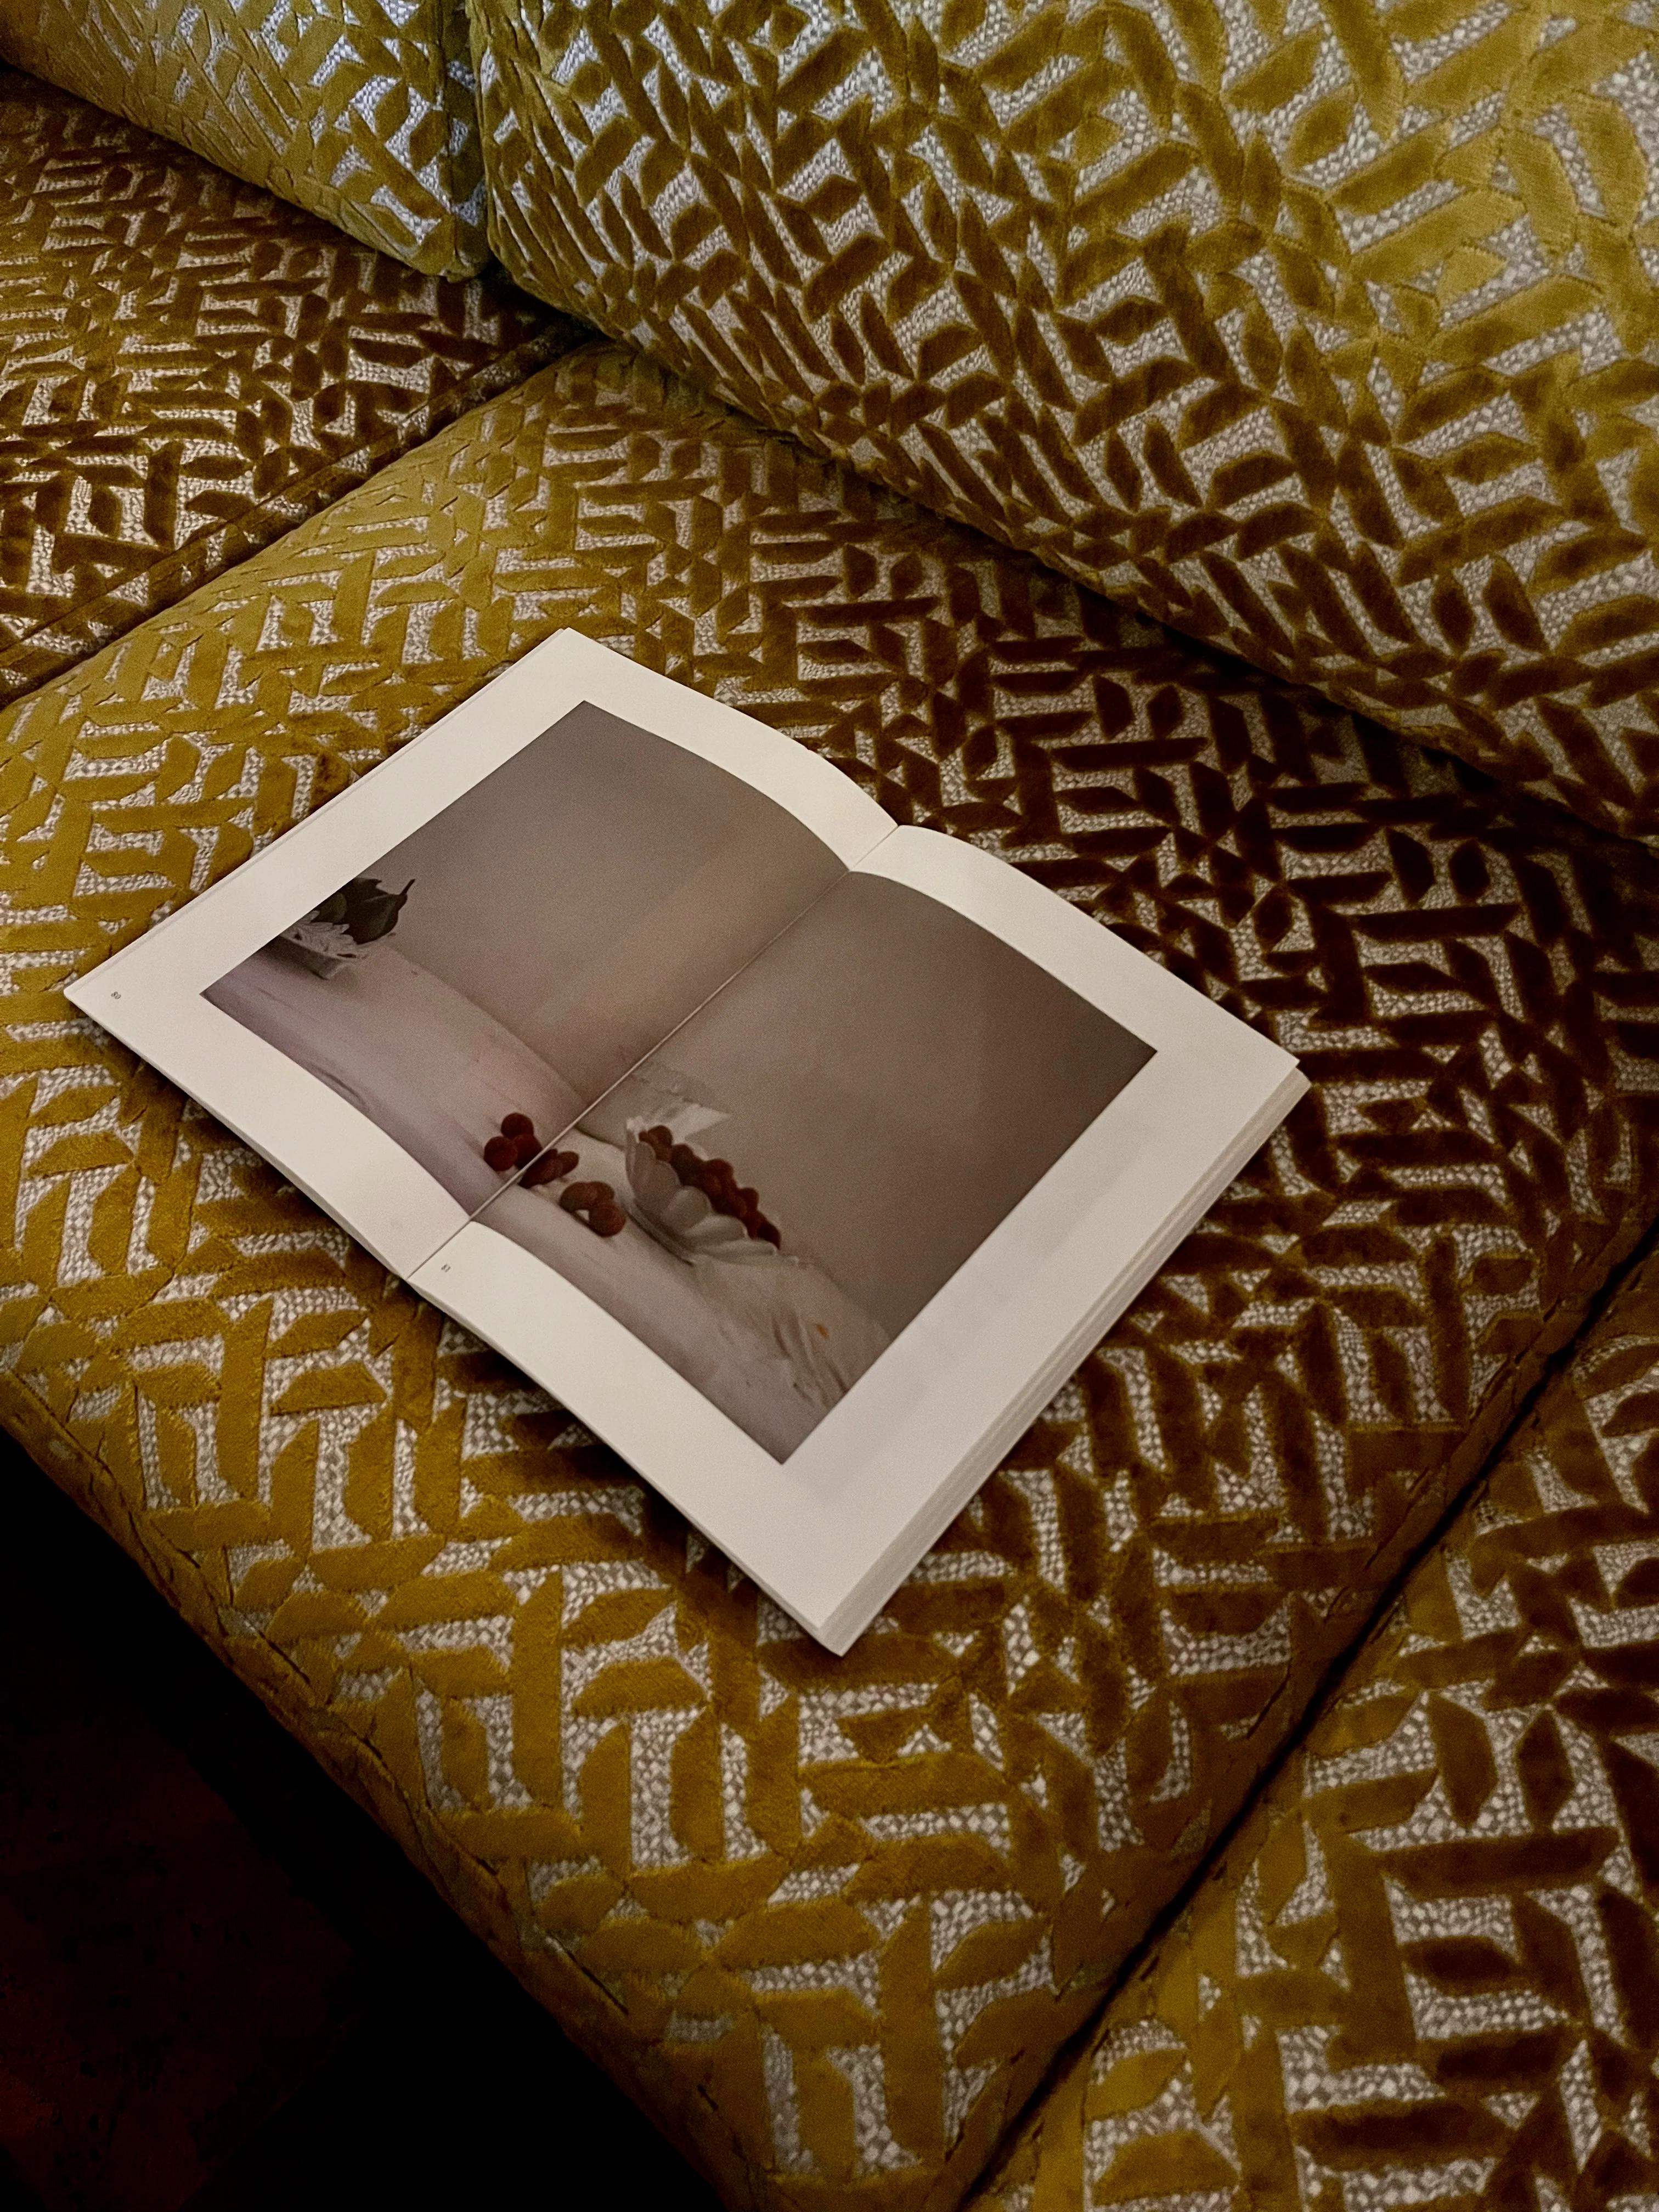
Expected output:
(360, 110)
(1328, 335)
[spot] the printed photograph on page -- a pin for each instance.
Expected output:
(772, 1198)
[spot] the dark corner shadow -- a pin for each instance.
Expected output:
(233, 1989)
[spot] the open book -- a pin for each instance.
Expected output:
(800, 1155)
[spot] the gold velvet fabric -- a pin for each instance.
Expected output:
(1427, 1974)
(828, 1919)
(361, 112)
(1324, 333)
(188, 367)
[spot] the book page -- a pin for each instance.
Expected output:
(492, 929)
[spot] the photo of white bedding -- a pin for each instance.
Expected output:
(404, 1048)
(774, 1346)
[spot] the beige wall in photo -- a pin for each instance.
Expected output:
(899, 1079)
(597, 887)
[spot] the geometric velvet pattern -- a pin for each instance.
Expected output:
(1327, 334)
(1428, 1974)
(829, 1919)
(188, 367)
(361, 110)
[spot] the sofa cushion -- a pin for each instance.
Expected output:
(1428, 1972)
(828, 1919)
(188, 367)
(361, 112)
(1322, 335)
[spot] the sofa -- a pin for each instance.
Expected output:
(1204, 454)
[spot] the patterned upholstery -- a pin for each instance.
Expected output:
(361, 111)
(1429, 1972)
(1327, 334)
(829, 1919)
(188, 368)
